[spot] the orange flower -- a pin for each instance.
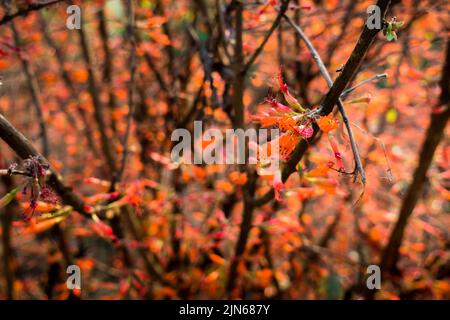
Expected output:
(319, 171)
(306, 193)
(238, 178)
(278, 185)
(287, 143)
(264, 277)
(337, 154)
(286, 123)
(268, 121)
(327, 184)
(80, 75)
(327, 123)
(216, 258)
(224, 186)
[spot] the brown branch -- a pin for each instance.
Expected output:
(59, 54)
(162, 83)
(35, 94)
(131, 90)
(256, 53)
(238, 105)
(32, 85)
(149, 260)
(238, 79)
(108, 67)
(107, 148)
(266, 242)
(6, 218)
(135, 227)
(24, 149)
(345, 23)
(192, 109)
(248, 190)
(25, 11)
(159, 9)
(353, 63)
(8, 172)
(221, 25)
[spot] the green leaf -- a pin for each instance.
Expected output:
(116, 7)
(61, 213)
(333, 286)
(300, 169)
(203, 36)
(389, 28)
(8, 197)
(391, 36)
(397, 25)
(146, 4)
(365, 99)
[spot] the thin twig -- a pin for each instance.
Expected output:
(221, 25)
(108, 66)
(251, 60)
(8, 172)
(131, 90)
(350, 90)
(6, 218)
(60, 58)
(32, 84)
(106, 144)
(238, 106)
(160, 10)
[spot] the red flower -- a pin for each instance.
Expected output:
(278, 185)
(336, 152)
(305, 132)
(292, 102)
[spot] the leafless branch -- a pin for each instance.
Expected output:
(131, 90)
(254, 56)
(24, 11)
(350, 90)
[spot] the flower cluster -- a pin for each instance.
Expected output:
(295, 123)
(35, 185)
